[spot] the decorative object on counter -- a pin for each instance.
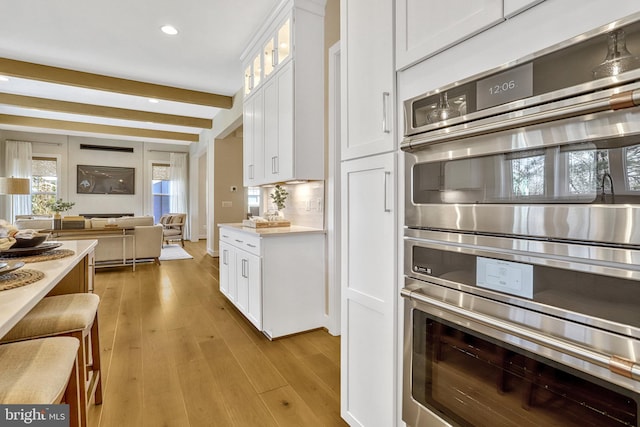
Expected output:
(23, 252)
(57, 206)
(50, 255)
(279, 197)
(7, 235)
(19, 278)
(618, 59)
(29, 239)
(443, 111)
(14, 186)
(257, 222)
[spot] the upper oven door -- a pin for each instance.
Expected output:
(574, 179)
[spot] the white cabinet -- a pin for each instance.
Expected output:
(513, 7)
(253, 147)
(424, 28)
(275, 278)
(227, 270)
(249, 285)
(368, 79)
(369, 292)
(278, 126)
(289, 141)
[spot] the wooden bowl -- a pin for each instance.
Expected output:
(36, 240)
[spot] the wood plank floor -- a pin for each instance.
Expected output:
(175, 352)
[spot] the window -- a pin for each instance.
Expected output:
(253, 198)
(160, 190)
(527, 173)
(44, 183)
(632, 163)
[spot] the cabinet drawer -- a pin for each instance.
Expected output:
(244, 241)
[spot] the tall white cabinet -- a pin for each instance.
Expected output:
(284, 96)
(369, 218)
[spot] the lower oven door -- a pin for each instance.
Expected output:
(464, 366)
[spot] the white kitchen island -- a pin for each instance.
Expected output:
(70, 274)
(275, 276)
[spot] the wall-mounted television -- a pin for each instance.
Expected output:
(105, 180)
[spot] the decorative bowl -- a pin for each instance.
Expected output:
(36, 240)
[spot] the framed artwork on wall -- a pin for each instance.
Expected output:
(105, 180)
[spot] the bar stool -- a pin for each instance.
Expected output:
(42, 371)
(74, 315)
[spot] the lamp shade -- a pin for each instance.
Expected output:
(15, 185)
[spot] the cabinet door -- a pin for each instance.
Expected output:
(254, 294)
(278, 126)
(253, 150)
(424, 28)
(269, 57)
(227, 269)
(513, 7)
(242, 281)
(284, 41)
(369, 292)
(368, 82)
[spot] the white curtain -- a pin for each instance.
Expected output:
(18, 165)
(178, 185)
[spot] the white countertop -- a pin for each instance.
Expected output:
(273, 231)
(15, 303)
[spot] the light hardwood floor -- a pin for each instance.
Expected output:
(175, 352)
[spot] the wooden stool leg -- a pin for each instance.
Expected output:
(82, 376)
(72, 396)
(96, 364)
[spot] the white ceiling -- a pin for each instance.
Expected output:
(122, 38)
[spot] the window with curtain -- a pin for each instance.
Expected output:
(44, 183)
(18, 165)
(178, 188)
(160, 180)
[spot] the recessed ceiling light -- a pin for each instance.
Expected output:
(4, 79)
(153, 100)
(169, 29)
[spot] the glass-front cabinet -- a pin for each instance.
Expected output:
(275, 51)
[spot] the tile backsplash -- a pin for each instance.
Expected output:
(304, 205)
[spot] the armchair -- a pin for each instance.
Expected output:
(173, 227)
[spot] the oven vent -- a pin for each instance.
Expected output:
(106, 148)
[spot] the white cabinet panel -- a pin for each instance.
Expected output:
(368, 82)
(424, 28)
(253, 140)
(369, 296)
(277, 282)
(513, 7)
(287, 125)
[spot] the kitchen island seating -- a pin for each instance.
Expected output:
(42, 371)
(74, 315)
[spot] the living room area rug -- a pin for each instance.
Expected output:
(173, 252)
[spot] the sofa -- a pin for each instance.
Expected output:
(148, 236)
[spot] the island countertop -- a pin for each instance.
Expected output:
(15, 303)
(273, 231)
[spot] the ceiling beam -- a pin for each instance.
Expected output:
(29, 70)
(102, 111)
(7, 119)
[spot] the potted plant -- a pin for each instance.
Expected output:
(57, 206)
(279, 197)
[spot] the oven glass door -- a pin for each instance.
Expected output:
(474, 380)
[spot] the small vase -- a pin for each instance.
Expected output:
(57, 221)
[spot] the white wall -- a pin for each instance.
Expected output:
(67, 148)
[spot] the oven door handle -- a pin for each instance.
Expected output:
(614, 363)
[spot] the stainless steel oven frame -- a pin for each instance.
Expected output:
(597, 347)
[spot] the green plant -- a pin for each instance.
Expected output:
(58, 206)
(279, 196)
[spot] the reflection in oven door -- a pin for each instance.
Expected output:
(474, 380)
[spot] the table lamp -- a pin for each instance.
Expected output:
(13, 186)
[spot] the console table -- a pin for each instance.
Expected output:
(98, 234)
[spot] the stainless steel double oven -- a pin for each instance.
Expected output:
(522, 241)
